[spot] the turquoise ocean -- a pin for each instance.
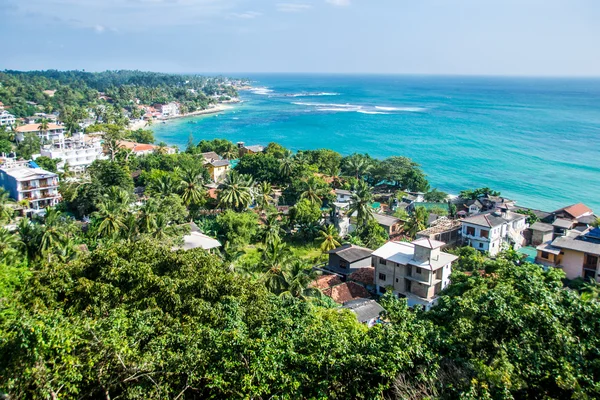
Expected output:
(537, 140)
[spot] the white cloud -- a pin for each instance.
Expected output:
(293, 7)
(99, 28)
(247, 15)
(340, 3)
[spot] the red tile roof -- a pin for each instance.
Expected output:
(577, 210)
(346, 292)
(364, 275)
(326, 282)
(36, 127)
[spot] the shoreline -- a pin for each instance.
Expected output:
(208, 111)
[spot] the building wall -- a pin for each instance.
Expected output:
(9, 184)
(334, 265)
(572, 263)
(539, 237)
(218, 174)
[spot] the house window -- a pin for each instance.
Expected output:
(481, 245)
(485, 234)
(382, 277)
(545, 255)
(343, 264)
(381, 289)
(396, 280)
(418, 271)
(591, 260)
(382, 261)
(470, 231)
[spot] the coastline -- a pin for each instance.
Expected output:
(213, 110)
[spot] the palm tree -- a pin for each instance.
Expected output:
(230, 255)
(358, 165)
(287, 167)
(264, 195)
(312, 192)
(297, 278)
(6, 211)
(272, 229)
(329, 238)
(416, 222)
(360, 203)
(44, 126)
(111, 213)
(9, 246)
(191, 186)
(275, 257)
(53, 233)
(235, 191)
(30, 235)
(148, 217)
(164, 185)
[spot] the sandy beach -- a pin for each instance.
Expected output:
(213, 110)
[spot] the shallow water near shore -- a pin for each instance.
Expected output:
(537, 140)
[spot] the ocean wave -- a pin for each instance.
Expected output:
(339, 109)
(372, 112)
(261, 90)
(308, 94)
(409, 109)
(326, 105)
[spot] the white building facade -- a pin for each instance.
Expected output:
(78, 152)
(24, 180)
(417, 271)
(54, 132)
(492, 232)
(6, 119)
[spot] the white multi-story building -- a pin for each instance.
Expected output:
(25, 180)
(6, 119)
(417, 271)
(495, 230)
(79, 152)
(169, 109)
(54, 132)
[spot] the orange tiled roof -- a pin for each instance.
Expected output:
(326, 281)
(346, 292)
(578, 210)
(36, 127)
(364, 275)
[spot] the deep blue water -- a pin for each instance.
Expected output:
(535, 140)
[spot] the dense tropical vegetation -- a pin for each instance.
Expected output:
(98, 300)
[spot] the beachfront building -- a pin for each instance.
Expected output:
(25, 180)
(254, 149)
(417, 271)
(6, 119)
(79, 152)
(576, 253)
(168, 110)
(54, 132)
(216, 165)
(492, 232)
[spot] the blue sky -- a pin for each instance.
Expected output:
(497, 37)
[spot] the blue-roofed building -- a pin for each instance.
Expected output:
(25, 180)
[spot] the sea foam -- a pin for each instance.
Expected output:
(409, 109)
